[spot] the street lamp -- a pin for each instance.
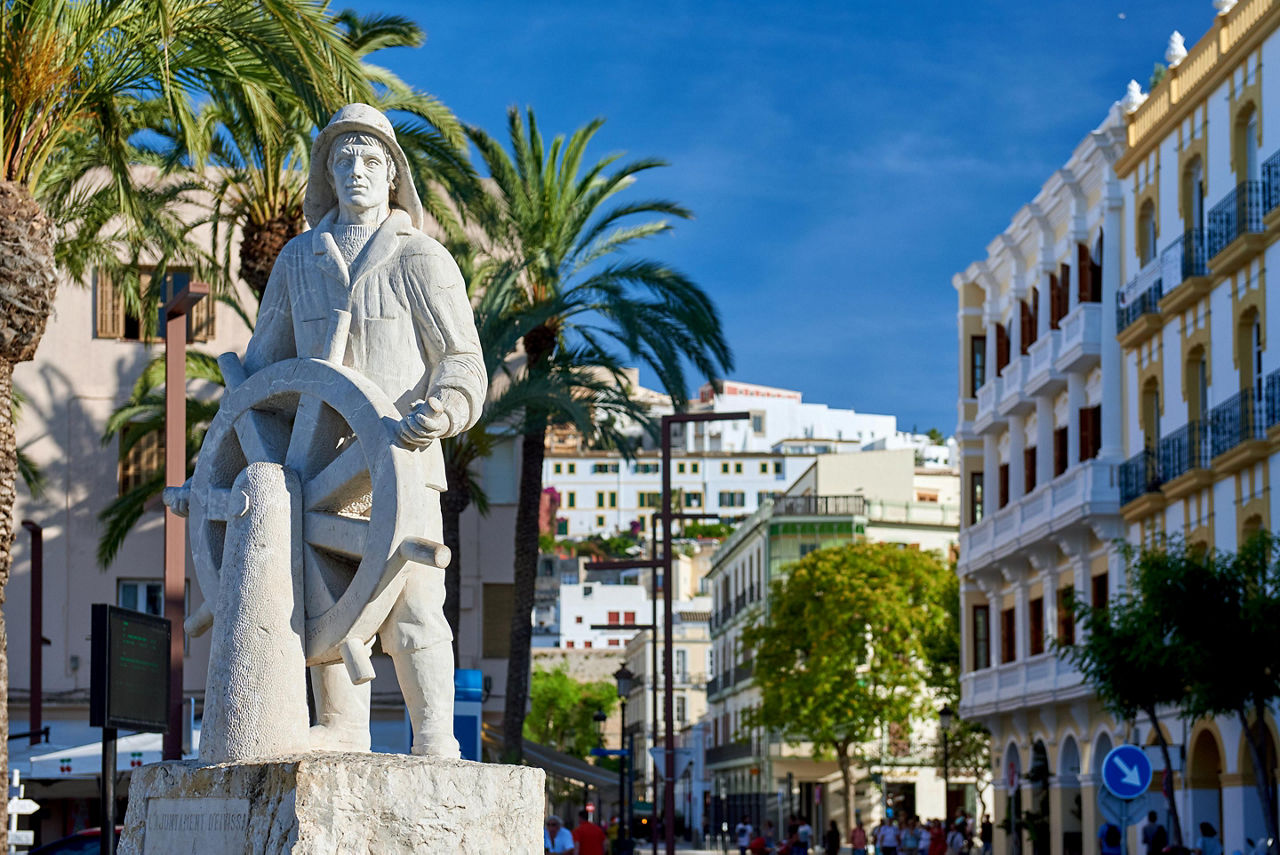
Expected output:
(625, 680)
(945, 717)
(599, 718)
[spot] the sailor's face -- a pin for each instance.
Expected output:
(359, 174)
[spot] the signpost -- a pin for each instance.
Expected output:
(1126, 777)
(128, 687)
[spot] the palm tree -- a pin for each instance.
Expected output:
(70, 72)
(583, 300)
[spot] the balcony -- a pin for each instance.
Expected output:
(1140, 475)
(819, 506)
(1184, 272)
(1138, 307)
(1087, 489)
(743, 672)
(988, 393)
(1041, 356)
(1019, 685)
(713, 686)
(730, 752)
(1012, 397)
(1235, 227)
(1184, 459)
(1081, 345)
(1238, 432)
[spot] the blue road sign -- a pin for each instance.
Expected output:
(1126, 772)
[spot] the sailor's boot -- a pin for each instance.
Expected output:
(342, 710)
(426, 681)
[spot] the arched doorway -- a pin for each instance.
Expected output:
(1072, 807)
(1255, 822)
(1038, 818)
(1204, 782)
(1013, 768)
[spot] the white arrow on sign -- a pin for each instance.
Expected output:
(1130, 773)
(23, 807)
(22, 837)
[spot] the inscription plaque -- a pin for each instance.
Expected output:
(194, 826)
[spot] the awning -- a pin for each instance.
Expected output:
(560, 764)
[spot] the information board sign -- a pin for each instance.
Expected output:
(129, 681)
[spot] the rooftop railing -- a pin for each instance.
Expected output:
(797, 506)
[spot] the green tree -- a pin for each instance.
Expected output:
(837, 658)
(72, 76)
(562, 710)
(580, 302)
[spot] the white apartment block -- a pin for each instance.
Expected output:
(878, 495)
(584, 605)
(1102, 421)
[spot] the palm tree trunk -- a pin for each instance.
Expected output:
(454, 501)
(533, 449)
(8, 471)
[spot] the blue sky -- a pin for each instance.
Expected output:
(843, 160)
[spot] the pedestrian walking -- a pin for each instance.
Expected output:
(1110, 839)
(556, 839)
(1208, 842)
(887, 840)
(587, 836)
(743, 834)
(858, 839)
(1154, 837)
(831, 845)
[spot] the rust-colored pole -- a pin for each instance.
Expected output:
(175, 474)
(36, 714)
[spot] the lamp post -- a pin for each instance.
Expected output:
(624, 679)
(945, 717)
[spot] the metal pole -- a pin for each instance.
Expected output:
(36, 714)
(622, 773)
(653, 623)
(175, 474)
(946, 779)
(107, 839)
(668, 660)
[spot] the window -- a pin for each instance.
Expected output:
(1193, 195)
(777, 467)
(1004, 484)
(680, 468)
(613, 499)
(1099, 592)
(977, 363)
(557, 468)
(599, 498)
(604, 468)
(724, 468)
(981, 637)
(647, 468)
(1197, 386)
(1255, 342)
(577, 619)
(144, 460)
(1090, 432)
(613, 618)
(600, 522)
(680, 709)
(1008, 637)
(648, 500)
(1028, 469)
(1059, 451)
(568, 644)
(140, 595)
(573, 468)
(629, 618)
(1026, 326)
(693, 467)
(757, 423)
(693, 500)
(763, 495)
(1147, 233)
(1037, 626)
(1090, 290)
(764, 468)
(975, 497)
(113, 321)
(737, 469)
(586, 644)
(1002, 348)
(570, 499)
(497, 605)
(562, 527)
(613, 642)
(682, 666)
(1066, 619)
(733, 499)
(1059, 299)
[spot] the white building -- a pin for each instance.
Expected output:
(1120, 389)
(879, 495)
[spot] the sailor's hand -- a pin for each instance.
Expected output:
(424, 424)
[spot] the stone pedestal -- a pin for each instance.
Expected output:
(322, 804)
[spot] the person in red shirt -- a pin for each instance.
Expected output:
(589, 837)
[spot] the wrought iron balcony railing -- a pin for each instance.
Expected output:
(1185, 449)
(819, 506)
(1239, 213)
(1271, 180)
(1239, 419)
(1186, 257)
(1144, 302)
(1139, 474)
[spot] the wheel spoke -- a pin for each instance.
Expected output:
(301, 440)
(346, 476)
(337, 534)
(252, 433)
(316, 594)
(220, 504)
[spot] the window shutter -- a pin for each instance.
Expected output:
(110, 307)
(1090, 432)
(201, 323)
(1029, 469)
(1002, 348)
(1028, 330)
(498, 604)
(1054, 314)
(1064, 288)
(1004, 484)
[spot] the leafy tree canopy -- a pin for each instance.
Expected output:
(562, 710)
